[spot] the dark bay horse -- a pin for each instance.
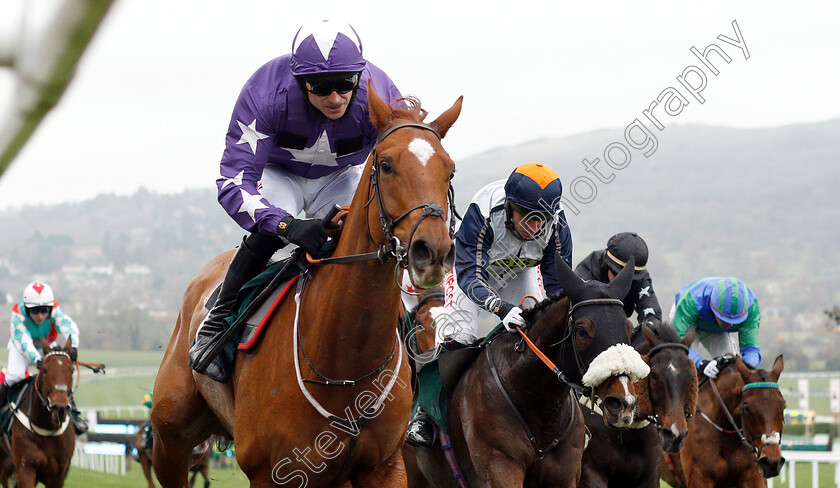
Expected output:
(511, 422)
(667, 399)
(199, 460)
(42, 434)
(718, 453)
(291, 425)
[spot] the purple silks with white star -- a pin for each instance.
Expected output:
(273, 123)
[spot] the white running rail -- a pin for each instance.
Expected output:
(815, 458)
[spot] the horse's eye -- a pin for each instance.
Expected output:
(386, 167)
(654, 375)
(746, 408)
(451, 175)
(688, 415)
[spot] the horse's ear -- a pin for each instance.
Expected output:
(69, 345)
(650, 335)
(689, 337)
(778, 366)
(442, 124)
(621, 283)
(571, 283)
(380, 113)
(743, 369)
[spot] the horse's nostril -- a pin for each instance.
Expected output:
(420, 253)
(613, 405)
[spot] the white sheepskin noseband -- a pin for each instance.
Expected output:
(616, 360)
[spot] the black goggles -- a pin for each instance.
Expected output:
(531, 215)
(325, 86)
(38, 310)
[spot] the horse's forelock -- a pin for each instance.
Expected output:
(667, 333)
(412, 110)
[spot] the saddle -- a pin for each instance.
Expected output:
(16, 394)
(256, 302)
(439, 377)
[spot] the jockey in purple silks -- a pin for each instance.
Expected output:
(297, 141)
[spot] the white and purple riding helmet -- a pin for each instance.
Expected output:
(326, 46)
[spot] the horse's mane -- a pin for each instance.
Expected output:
(531, 315)
(411, 110)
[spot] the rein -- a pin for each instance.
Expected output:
(540, 452)
(45, 402)
(745, 434)
(393, 247)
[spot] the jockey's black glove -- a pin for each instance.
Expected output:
(309, 234)
(74, 354)
(724, 361)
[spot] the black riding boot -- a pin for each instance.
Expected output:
(79, 424)
(421, 430)
(4, 394)
(244, 266)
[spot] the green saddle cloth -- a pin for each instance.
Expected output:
(432, 396)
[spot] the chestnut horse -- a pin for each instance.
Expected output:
(667, 399)
(421, 338)
(42, 434)
(735, 440)
(344, 321)
(199, 461)
(511, 422)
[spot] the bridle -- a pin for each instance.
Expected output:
(579, 363)
(393, 248)
(653, 417)
(773, 438)
(45, 398)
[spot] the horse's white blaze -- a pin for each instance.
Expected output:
(675, 431)
(771, 439)
(673, 368)
(422, 150)
(625, 382)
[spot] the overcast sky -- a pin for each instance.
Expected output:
(153, 94)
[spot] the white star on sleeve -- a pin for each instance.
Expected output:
(250, 135)
(250, 204)
(644, 292)
(235, 181)
(648, 311)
